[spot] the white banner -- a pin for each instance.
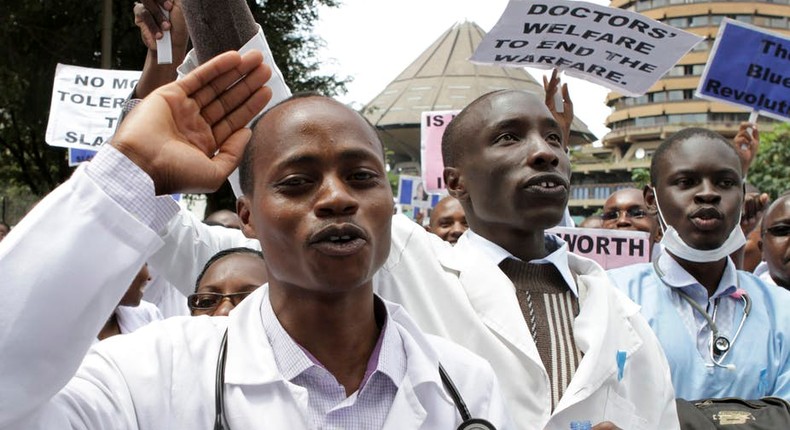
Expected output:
(619, 49)
(86, 104)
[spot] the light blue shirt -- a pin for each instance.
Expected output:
(761, 353)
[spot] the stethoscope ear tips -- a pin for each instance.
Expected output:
(476, 424)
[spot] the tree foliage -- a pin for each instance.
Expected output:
(770, 171)
(38, 34)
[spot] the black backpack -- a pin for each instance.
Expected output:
(729, 413)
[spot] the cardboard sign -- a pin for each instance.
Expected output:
(619, 49)
(86, 104)
(411, 192)
(609, 248)
(431, 130)
(77, 156)
(749, 67)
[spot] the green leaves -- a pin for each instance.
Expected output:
(770, 172)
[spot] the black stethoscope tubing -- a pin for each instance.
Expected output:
(468, 423)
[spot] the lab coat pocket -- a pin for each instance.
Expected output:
(622, 413)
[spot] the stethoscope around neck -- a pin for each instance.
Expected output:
(468, 423)
(719, 345)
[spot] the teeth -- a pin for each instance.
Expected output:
(345, 237)
(334, 238)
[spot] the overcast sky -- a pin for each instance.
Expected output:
(374, 40)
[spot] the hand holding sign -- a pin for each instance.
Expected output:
(148, 16)
(747, 143)
(560, 104)
(189, 135)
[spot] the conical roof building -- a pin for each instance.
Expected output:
(442, 78)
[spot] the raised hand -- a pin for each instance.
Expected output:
(747, 143)
(189, 135)
(565, 117)
(152, 22)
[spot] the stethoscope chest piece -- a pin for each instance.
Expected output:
(476, 424)
(721, 345)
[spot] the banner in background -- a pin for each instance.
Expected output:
(431, 129)
(86, 104)
(619, 49)
(77, 156)
(749, 67)
(609, 248)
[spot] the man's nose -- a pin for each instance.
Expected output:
(223, 308)
(335, 198)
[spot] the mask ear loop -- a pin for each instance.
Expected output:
(661, 223)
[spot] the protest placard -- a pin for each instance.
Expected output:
(77, 156)
(431, 129)
(412, 192)
(619, 49)
(749, 67)
(609, 248)
(86, 104)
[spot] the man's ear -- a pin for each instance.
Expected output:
(649, 194)
(455, 183)
(245, 215)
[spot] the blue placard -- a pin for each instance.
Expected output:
(77, 156)
(749, 67)
(405, 190)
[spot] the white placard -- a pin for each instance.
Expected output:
(86, 104)
(619, 49)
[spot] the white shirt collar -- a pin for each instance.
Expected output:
(677, 277)
(558, 257)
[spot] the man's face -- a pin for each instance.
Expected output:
(776, 241)
(699, 191)
(321, 205)
(448, 220)
(513, 172)
(236, 273)
(626, 210)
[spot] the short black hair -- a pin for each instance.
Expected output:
(681, 136)
(785, 194)
(454, 133)
(225, 253)
(248, 157)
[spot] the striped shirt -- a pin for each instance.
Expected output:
(328, 405)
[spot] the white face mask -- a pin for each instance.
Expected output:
(675, 244)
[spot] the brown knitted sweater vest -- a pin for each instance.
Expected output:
(549, 308)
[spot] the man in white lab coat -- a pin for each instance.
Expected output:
(313, 349)
(614, 370)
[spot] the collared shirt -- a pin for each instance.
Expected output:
(558, 255)
(675, 276)
(328, 405)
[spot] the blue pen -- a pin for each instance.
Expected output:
(621, 356)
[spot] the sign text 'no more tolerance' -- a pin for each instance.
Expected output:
(86, 104)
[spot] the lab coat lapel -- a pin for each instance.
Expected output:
(492, 295)
(252, 380)
(600, 332)
(406, 412)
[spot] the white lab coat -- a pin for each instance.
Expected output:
(460, 294)
(457, 293)
(162, 376)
